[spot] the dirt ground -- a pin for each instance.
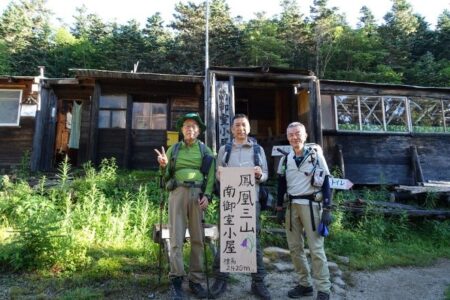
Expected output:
(407, 283)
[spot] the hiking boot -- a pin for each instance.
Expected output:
(322, 296)
(176, 290)
(218, 288)
(260, 290)
(198, 290)
(300, 291)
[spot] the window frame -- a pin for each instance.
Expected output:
(19, 107)
(133, 122)
(406, 100)
(112, 110)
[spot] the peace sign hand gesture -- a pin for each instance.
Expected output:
(162, 157)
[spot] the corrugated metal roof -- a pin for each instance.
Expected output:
(383, 85)
(92, 73)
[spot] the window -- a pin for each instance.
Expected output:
(392, 114)
(427, 115)
(112, 111)
(10, 107)
(347, 112)
(149, 115)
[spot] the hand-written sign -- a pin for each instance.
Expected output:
(340, 184)
(237, 220)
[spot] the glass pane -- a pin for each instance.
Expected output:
(395, 113)
(9, 95)
(347, 112)
(113, 101)
(149, 115)
(104, 117)
(118, 119)
(426, 115)
(371, 113)
(447, 114)
(9, 112)
(159, 116)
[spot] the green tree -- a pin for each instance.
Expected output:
(261, 43)
(25, 30)
(125, 47)
(187, 50)
(442, 49)
(295, 32)
(156, 40)
(327, 27)
(397, 35)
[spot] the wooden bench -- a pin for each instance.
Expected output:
(211, 237)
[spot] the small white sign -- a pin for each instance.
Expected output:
(340, 183)
(284, 148)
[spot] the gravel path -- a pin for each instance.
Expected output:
(408, 283)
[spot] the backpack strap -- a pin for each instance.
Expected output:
(173, 158)
(256, 154)
(228, 147)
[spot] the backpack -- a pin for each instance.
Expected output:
(207, 160)
(265, 198)
(317, 173)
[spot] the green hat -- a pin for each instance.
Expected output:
(191, 116)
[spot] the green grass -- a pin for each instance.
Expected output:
(90, 237)
(447, 293)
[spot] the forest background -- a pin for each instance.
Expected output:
(403, 49)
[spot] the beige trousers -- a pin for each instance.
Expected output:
(185, 212)
(301, 220)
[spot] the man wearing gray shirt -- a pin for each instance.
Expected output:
(242, 154)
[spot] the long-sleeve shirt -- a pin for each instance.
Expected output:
(188, 164)
(242, 155)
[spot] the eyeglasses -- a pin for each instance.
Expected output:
(192, 126)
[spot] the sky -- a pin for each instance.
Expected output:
(122, 11)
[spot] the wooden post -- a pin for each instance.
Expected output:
(340, 159)
(416, 167)
(128, 121)
(93, 126)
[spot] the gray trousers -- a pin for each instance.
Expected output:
(185, 212)
(301, 220)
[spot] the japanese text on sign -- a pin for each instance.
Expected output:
(237, 220)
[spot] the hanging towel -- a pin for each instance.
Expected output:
(74, 139)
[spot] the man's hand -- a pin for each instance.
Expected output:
(280, 214)
(258, 172)
(203, 202)
(162, 157)
(326, 218)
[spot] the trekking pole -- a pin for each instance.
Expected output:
(204, 251)
(161, 205)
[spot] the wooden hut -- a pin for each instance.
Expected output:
(19, 100)
(386, 133)
(371, 133)
(124, 115)
(374, 133)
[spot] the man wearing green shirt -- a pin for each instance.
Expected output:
(190, 193)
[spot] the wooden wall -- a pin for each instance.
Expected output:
(143, 142)
(111, 143)
(386, 159)
(15, 141)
